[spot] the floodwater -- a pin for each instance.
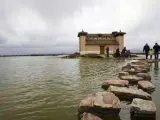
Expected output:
(50, 88)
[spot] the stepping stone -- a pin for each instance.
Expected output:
(103, 103)
(141, 62)
(146, 86)
(131, 78)
(140, 66)
(134, 61)
(123, 74)
(120, 83)
(133, 71)
(129, 93)
(89, 116)
(141, 70)
(143, 108)
(151, 61)
(126, 67)
(145, 76)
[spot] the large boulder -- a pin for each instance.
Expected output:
(131, 78)
(146, 86)
(120, 83)
(103, 103)
(143, 108)
(145, 76)
(89, 116)
(129, 93)
(123, 74)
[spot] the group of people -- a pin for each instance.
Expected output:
(123, 53)
(117, 53)
(149, 51)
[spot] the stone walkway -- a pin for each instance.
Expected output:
(107, 103)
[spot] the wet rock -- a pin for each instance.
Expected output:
(131, 78)
(146, 86)
(89, 116)
(143, 108)
(140, 66)
(92, 55)
(123, 74)
(120, 83)
(136, 70)
(103, 103)
(145, 76)
(134, 61)
(141, 70)
(129, 93)
(151, 61)
(126, 68)
(141, 62)
(133, 71)
(75, 55)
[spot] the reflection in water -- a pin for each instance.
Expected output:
(144, 118)
(156, 65)
(104, 117)
(112, 118)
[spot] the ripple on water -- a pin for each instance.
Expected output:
(45, 88)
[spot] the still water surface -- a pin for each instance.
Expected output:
(50, 88)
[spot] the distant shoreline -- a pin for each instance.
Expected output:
(32, 55)
(53, 55)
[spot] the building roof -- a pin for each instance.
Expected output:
(101, 42)
(98, 35)
(115, 33)
(82, 33)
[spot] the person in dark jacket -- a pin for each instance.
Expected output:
(117, 54)
(107, 51)
(156, 48)
(128, 54)
(123, 53)
(146, 49)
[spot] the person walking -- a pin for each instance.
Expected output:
(151, 53)
(128, 54)
(107, 51)
(123, 53)
(146, 49)
(156, 48)
(117, 53)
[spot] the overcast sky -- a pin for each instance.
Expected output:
(48, 26)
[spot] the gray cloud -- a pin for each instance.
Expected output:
(42, 26)
(2, 41)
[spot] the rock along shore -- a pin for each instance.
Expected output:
(107, 103)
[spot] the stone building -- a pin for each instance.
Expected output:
(97, 43)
